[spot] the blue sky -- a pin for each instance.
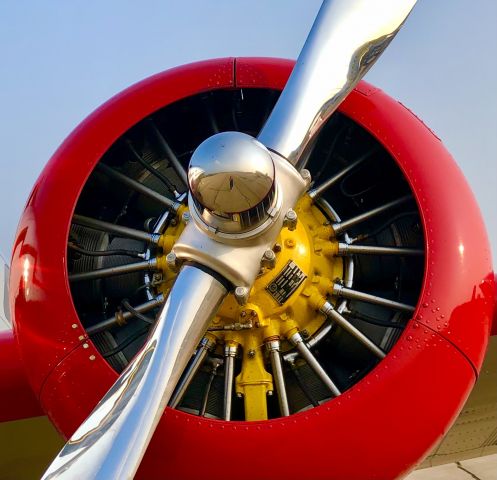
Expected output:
(60, 60)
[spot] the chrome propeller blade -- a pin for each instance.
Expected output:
(346, 39)
(112, 440)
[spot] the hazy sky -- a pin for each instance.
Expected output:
(61, 59)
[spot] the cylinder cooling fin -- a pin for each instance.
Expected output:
(355, 328)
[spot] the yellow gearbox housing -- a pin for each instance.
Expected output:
(279, 302)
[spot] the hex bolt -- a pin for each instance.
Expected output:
(290, 220)
(241, 296)
(172, 261)
(185, 217)
(306, 175)
(268, 259)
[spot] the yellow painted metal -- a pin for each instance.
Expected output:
(313, 249)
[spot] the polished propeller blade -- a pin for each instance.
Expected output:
(111, 442)
(346, 39)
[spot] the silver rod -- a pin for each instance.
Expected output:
(331, 313)
(311, 360)
(113, 271)
(346, 39)
(342, 291)
(205, 345)
(345, 225)
(347, 249)
(229, 373)
(273, 347)
(124, 316)
(203, 408)
(112, 440)
(115, 229)
(316, 192)
(124, 179)
(178, 168)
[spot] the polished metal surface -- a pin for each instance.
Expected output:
(112, 440)
(113, 271)
(119, 230)
(345, 292)
(346, 224)
(347, 249)
(297, 340)
(273, 347)
(196, 362)
(135, 185)
(122, 317)
(229, 373)
(231, 179)
(216, 251)
(346, 39)
(331, 313)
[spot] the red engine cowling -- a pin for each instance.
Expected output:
(391, 415)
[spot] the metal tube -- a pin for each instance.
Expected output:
(330, 312)
(347, 249)
(345, 41)
(273, 347)
(124, 179)
(315, 193)
(205, 345)
(345, 225)
(115, 229)
(178, 168)
(229, 373)
(213, 374)
(113, 271)
(345, 292)
(112, 440)
(124, 316)
(311, 360)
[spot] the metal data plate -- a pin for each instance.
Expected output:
(284, 285)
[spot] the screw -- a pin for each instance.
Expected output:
(290, 220)
(269, 393)
(243, 314)
(241, 295)
(253, 313)
(172, 261)
(268, 259)
(306, 175)
(251, 353)
(92, 357)
(185, 217)
(277, 247)
(239, 395)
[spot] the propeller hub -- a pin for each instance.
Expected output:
(232, 183)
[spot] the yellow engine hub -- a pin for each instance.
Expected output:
(284, 299)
